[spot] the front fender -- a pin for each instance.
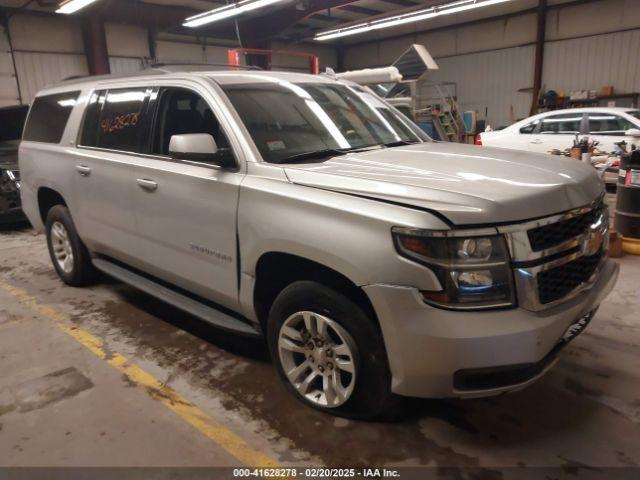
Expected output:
(348, 234)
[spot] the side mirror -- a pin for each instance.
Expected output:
(198, 147)
(633, 132)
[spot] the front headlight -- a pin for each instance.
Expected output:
(7, 181)
(473, 270)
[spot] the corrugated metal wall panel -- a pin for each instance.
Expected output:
(126, 40)
(37, 70)
(326, 56)
(181, 52)
(8, 88)
(489, 81)
(125, 64)
(591, 62)
(59, 33)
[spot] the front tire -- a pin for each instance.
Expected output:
(329, 353)
(69, 255)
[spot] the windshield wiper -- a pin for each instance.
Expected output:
(400, 143)
(314, 155)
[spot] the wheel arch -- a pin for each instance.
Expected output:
(47, 199)
(275, 270)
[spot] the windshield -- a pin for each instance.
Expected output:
(634, 113)
(291, 122)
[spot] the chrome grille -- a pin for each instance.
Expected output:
(548, 236)
(557, 257)
(558, 282)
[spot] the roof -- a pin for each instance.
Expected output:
(155, 74)
(588, 109)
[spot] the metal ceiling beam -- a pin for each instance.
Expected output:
(402, 3)
(269, 25)
(362, 10)
(163, 17)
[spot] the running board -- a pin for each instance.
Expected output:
(197, 309)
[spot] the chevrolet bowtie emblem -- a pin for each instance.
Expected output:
(593, 242)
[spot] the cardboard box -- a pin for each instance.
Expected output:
(606, 91)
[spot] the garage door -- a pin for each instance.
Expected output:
(8, 87)
(46, 50)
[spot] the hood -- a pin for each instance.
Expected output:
(469, 185)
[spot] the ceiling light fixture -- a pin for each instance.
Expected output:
(72, 6)
(227, 11)
(409, 17)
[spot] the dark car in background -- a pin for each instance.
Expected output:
(11, 124)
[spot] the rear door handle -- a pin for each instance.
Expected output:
(83, 170)
(148, 185)
(537, 142)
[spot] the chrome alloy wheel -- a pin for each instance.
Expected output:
(318, 357)
(61, 247)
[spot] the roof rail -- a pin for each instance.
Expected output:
(163, 65)
(74, 77)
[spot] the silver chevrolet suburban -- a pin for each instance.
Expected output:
(376, 262)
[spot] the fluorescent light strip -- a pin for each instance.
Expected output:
(72, 6)
(409, 17)
(227, 11)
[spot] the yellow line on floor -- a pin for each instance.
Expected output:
(189, 412)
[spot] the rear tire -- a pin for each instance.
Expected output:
(316, 367)
(69, 255)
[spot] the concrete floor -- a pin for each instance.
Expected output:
(61, 405)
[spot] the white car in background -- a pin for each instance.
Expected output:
(557, 130)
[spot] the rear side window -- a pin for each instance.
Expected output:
(48, 117)
(113, 120)
(568, 123)
(530, 128)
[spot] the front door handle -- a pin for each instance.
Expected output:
(148, 185)
(83, 170)
(537, 142)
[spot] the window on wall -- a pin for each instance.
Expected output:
(113, 120)
(48, 117)
(568, 123)
(608, 124)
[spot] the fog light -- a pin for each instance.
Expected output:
(471, 279)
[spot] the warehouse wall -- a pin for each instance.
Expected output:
(592, 45)
(326, 55)
(128, 47)
(49, 48)
(589, 45)
(188, 49)
(489, 82)
(46, 50)
(8, 86)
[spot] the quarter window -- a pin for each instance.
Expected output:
(530, 128)
(113, 120)
(48, 117)
(608, 124)
(568, 123)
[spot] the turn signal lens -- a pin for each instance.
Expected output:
(415, 245)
